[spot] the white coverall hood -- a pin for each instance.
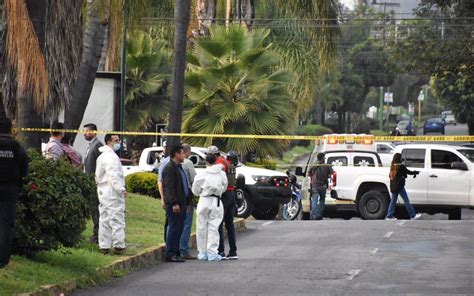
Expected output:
(110, 189)
(208, 184)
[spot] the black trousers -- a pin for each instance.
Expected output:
(8, 200)
(94, 204)
(228, 200)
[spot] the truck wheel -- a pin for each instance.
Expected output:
(373, 205)
(266, 213)
(454, 214)
(243, 204)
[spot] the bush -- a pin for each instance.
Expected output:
(311, 130)
(53, 206)
(142, 183)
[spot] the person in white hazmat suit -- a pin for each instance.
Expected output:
(209, 185)
(112, 193)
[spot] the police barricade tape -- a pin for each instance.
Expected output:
(338, 138)
(270, 137)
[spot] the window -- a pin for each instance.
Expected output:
(337, 160)
(153, 155)
(414, 158)
(384, 149)
(469, 153)
(364, 161)
(197, 160)
(443, 159)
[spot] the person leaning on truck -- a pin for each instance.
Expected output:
(319, 184)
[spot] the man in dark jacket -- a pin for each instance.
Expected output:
(90, 162)
(319, 184)
(176, 196)
(13, 168)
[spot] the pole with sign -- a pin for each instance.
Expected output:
(388, 99)
(381, 109)
(421, 97)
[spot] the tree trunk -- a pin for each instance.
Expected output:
(323, 115)
(205, 13)
(228, 12)
(181, 18)
(318, 111)
(348, 123)
(470, 127)
(247, 10)
(26, 113)
(2, 51)
(93, 42)
(340, 120)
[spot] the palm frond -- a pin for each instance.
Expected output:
(24, 55)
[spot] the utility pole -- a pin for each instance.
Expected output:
(381, 109)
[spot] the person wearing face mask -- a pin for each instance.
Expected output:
(111, 191)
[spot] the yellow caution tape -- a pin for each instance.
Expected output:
(271, 137)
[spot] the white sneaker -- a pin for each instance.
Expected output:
(416, 216)
(391, 219)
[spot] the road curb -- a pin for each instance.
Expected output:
(146, 258)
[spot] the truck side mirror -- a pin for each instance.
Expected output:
(299, 171)
(459, 165)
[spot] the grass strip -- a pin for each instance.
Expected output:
(144, 228)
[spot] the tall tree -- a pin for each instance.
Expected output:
(149, 59)
(2, 57)
(181, 19)
(235, 85)
(118, 14)
(441, 47)
(93, 41)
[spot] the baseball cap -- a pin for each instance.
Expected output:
(212, 150)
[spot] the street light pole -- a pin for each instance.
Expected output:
(381, 109)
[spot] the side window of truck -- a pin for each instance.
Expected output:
(414, 158)
(384, 149)
(197, 160)
(364, 161)
(337, 160)
(443, 159)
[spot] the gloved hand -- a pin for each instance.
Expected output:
(416, 173)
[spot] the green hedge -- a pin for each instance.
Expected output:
(142, 183)
(263, 164)
(310, 130)
(53, 206)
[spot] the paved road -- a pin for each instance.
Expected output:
(327, 257)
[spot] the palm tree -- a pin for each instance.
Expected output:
(182, 11)
(117, 14)
(2, 46)
(235, 86)
(49, 65)
(149, 60)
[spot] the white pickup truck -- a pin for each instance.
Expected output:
(261, 193)
(445, 183)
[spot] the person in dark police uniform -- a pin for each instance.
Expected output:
(13, 168)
